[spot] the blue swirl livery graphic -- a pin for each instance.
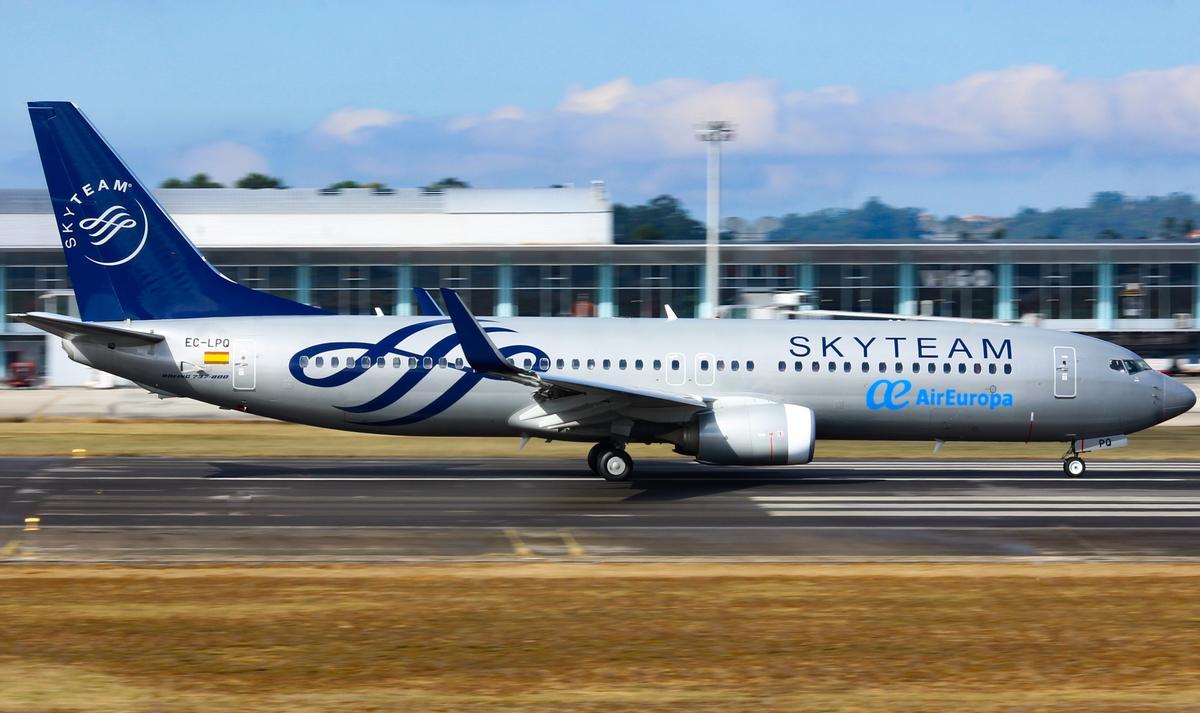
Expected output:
(393, 345)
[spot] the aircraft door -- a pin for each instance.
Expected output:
(676, 369)
(1064, 373)
(704, 370)
(243, 365)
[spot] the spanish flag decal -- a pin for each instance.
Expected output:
(216, 357)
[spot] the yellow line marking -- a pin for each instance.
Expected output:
(518, 545)
(78, 452)
(11, 548)
(31, 524)
(573, 547)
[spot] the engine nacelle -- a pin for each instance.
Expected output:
(751, 434)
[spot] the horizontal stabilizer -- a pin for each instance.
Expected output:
(72, 330)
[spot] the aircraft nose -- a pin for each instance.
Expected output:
(1177, 398)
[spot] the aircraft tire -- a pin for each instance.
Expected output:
(615, 465)
(1074, 467)
(593, 456)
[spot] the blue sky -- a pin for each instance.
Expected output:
(965, 107)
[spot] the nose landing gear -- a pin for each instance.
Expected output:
(610, 461)
(1074, 467)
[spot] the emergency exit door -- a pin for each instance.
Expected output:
(1064, 372)
(243, 365)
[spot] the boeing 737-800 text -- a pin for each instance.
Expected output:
(728, 392)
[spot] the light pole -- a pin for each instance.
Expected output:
(714, 133)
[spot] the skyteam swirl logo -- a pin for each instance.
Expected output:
(366, 355)
(111, 223)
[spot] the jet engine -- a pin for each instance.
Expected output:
(751, 434)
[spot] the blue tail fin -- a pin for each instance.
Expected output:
(426, 306)
(127, 259)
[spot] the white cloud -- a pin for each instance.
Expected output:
(349, 124)
(224, 161)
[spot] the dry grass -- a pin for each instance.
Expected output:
(602, 638)
(268, 439)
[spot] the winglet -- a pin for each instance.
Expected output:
(426, 307)
(481, 353)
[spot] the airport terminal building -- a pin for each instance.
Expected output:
(551, 252)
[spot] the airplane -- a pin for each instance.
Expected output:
(726, 392)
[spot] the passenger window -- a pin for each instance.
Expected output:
(674, 365)
(750, 365)
(442, 362)
(931, 368)
(320, 362)
(866, 367)
(607, 364)
(333, 361)
(816, 366)
(396, 362)
(946, 368)
(544, 364)
(720, 365)
(658, 364)
(528, 363)
(412, 362)
(560, 364)
(782, 366)
(622, 364)
(381, 362)
(574, 363)
(427, 362)
(1008, 368)
(916, 367)
(303, 362)
(798, 366)
(733, 365)
(704, 365)
(991, 368)
(846, 367)
(978, 368)
(637, 364)
(833, 366)
(962, 368)
(883, 367)
(899, 368)
(365, 362)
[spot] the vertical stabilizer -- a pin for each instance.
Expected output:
(126, 257)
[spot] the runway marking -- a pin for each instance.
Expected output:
(11, 549)
(1102, 498)
(574, 549)
(519, 547)
(982, 513)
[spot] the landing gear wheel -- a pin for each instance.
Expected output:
(1074, 467)
(593, 457)
(614, 465)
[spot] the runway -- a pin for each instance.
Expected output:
(151, 510)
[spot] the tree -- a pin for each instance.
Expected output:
(443, 184)
(258, 180)
(341, 185)
(663, 218)
(199, 180)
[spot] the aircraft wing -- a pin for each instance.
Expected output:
(73, 329)
(426, 307)
(484, 357)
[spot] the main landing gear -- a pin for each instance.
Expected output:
(610, 461)
(1073, 465)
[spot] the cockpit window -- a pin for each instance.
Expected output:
(1116, 365)
(1136, 365)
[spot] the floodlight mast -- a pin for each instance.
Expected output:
(714, 133)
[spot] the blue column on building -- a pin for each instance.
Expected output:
(806, 280)
(1196, 293)
(1004, 293)
(606, 307)
(304, 283)
(504, 298)
(403, 291)
(1105, 314)
(908, 289)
